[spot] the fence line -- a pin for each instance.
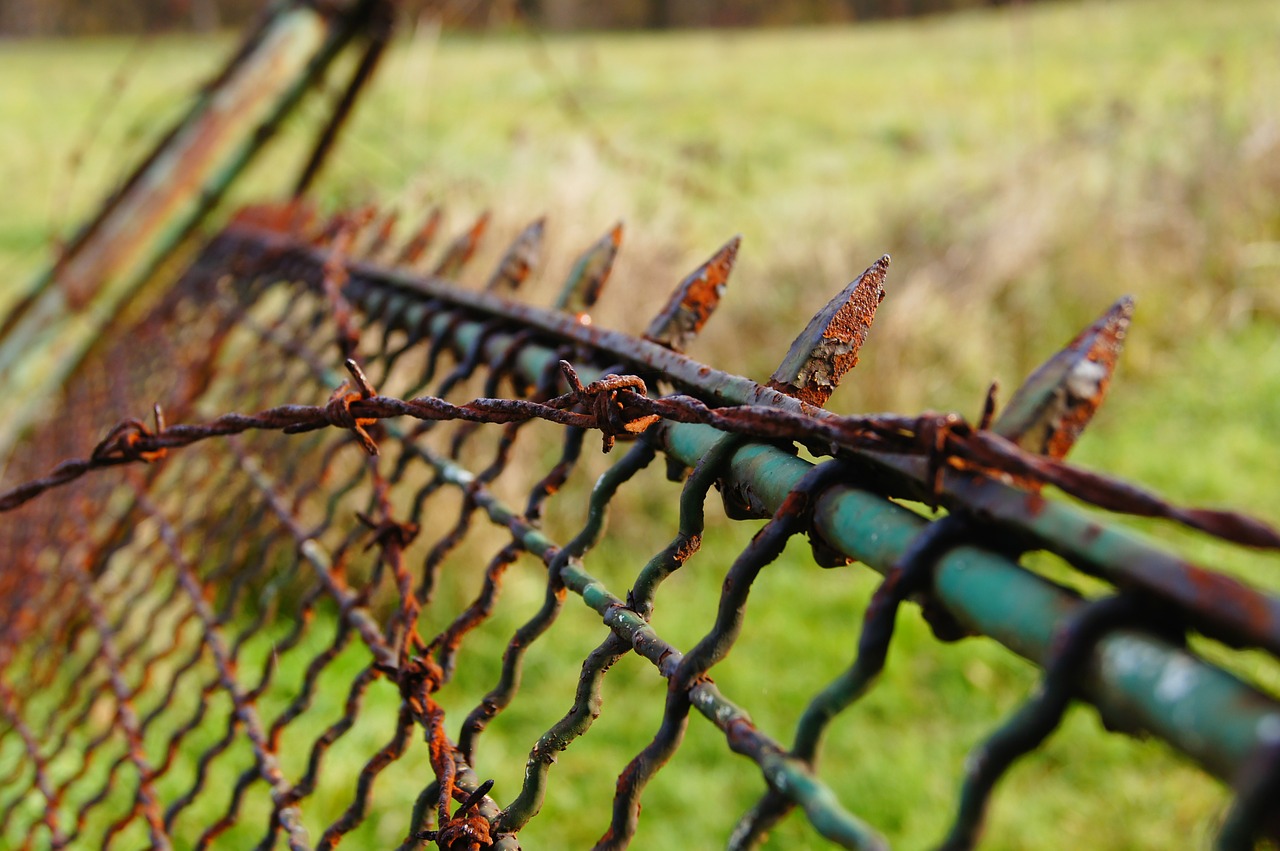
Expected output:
(282, 539)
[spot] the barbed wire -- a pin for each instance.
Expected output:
(618, 407)
(207, 605)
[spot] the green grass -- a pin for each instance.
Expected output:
(1024, 168)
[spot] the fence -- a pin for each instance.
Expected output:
(234, 601)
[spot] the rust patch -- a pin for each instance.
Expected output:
(421, 240)
(291, 218)
(521, 258)
(1050, 410)
(1249, 612)
(461, 249)
(381, 236)
(589, 274)
(828, 347)
(694, 301)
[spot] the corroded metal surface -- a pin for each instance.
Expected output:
(828, 347)
(589, 274)
(459, 252)
(519, 261)
(694, 300)
(1050, 410)
(321, 538)
(423, 237)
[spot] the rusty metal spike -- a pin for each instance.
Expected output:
(693, 302)
(377, 238)
(828, 346)
(362, 231)
(347, 228)
(296, 217)
(521, 257)
(589, 274)
(421, 240)
(1050, 410)
(352, 223)
(460, 250)
(330, 228)
(363, 216)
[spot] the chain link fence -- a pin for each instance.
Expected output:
(191, 639)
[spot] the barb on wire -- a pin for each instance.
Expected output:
(617, 407)
(125, 440)
(320, 579)
(1079, 376)
(604, 409)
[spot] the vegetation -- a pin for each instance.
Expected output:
(1023, 167)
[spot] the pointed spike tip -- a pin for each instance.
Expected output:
(1121, 313)
(828, 347)
(521, 258)
(422, 238)
(694, 300)
(589, 274)
(462, 248)
(1049, 412)
(729, 251)
(374, 239)
(533, 230)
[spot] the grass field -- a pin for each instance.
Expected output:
(1024, 168)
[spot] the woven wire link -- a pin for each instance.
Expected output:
(185, 614)
(262, 642)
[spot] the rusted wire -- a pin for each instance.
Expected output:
(215, 654)
(132, 441)
(616, 406)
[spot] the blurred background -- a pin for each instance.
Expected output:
(1025, 164)
(81, 17)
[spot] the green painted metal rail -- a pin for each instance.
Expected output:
(1138, 681)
